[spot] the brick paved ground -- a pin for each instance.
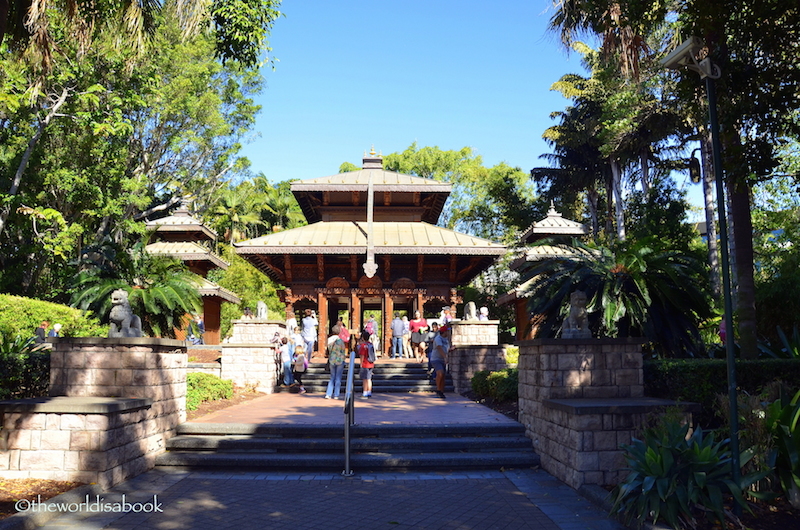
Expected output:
(491, 500)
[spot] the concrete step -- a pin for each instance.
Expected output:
(373, 447)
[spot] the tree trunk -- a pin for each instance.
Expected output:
(645, 170)
(743, 238)
(618, 205)
(593, 200)
(711, 218)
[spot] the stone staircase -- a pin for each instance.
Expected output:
(388, 376)
(374, 447)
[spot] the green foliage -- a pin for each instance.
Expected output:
(24, 368)
(512, 354)
(206, 387)
(242, 28)
(673, 472)
(701, 380)
(21, 316)
(783, 421)
(635, 290)
(161, 290)
(501, 385)
(250, 284)
(788, 348)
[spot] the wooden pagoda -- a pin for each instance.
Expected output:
(420, 265)
(182, 236)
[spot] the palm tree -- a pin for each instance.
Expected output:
(237, 211)
(160, 290)
(638, 290)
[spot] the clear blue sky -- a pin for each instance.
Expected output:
(446, 73)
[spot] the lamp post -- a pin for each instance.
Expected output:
(370, 267)
(687, 55)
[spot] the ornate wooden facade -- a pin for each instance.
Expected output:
(420, 266)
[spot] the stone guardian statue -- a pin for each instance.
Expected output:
(576, 325)
(123, 323)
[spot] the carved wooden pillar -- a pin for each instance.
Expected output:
(420, 303)
(453, 271)
(420, 268)
(355, 312)
(322, 318)
(387, 268)
(388, 314)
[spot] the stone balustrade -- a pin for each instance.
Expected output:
(474, 332)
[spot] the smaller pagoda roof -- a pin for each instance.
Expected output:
(182, 225)
(210, 289)
(543, 252)
(553, 225)
(340, 237)
(187, 251)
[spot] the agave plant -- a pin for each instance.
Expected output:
(783, 420)
(639, 290)
(161, 290)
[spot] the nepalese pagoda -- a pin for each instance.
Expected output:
(182, 236)
(420, 266)
(554, 225)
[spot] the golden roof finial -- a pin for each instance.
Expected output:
(372, 150)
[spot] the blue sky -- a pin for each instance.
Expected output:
(354, 74)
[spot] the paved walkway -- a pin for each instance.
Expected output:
(490, 500)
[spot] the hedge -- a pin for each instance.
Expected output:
(501, 385)
(21, 316)
(206, 387)
(701, 380)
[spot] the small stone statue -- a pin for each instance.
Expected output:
(576, 325)
(261, 310)
(470, 311)
(123, 322)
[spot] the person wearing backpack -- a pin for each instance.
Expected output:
(336, 355)
(367, 355)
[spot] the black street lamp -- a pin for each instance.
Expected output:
(687, 55)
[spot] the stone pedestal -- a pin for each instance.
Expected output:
(474, 332)
(579, 400)
(114, 403)
(249, 359)
(464, 361)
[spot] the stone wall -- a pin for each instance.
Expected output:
(92, 440)
(464, 361)
(205, 368)
(474, 332)
(254, 331)
(114, 403)
(579, 400)
(250, 365)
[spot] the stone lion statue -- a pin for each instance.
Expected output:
(123, 323)
(576, 325)
(470, 311)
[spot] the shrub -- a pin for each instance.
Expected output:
(501, 385)
(206, 387)
(512, 354)
(672, 474)
(783, 421)
(21, 316)
(24, 369)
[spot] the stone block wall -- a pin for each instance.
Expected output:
(474, 332)
(579, 400)
(205, 368)
(464, 361)
(91, 440)
(114, 403)
(250, 366)
(256, 331)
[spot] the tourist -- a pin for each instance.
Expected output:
(41, 332)
(336, 355)
(438, 359)
(397, 336)
(484, 313)
(291, 325)
(299, 366)
(248, 314)
(286, 361)
(309, 332)
(367, 366)
(56, 331)
(433, 332)
(371, 326)
(447, 316)
(418, 327)
(406, 339)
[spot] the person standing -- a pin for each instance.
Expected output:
(407, 339)
(309, 332)
(397, 336)
(336, 355)
(418, 327)
(367, 365)
(447, 315)
(438, 358)
(299, 366)
(286, 361)
(41, 332)
(56, 331)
